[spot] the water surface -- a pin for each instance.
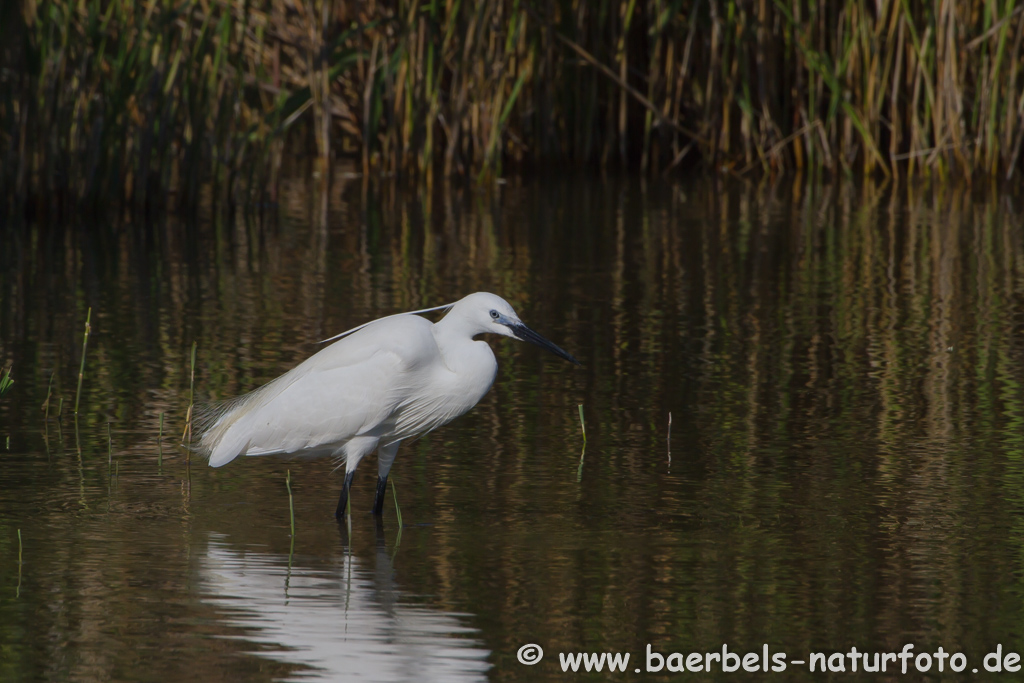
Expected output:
(845, 464)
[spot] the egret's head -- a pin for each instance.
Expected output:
(489, 313)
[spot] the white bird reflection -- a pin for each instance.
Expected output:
(343, 623)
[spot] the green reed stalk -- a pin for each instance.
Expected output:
(85, 346)
(160, 443)
(668, 439)
(583, 451)
(17, 592)
(49, 393)
(398, 510)
(6, 382)
(291, 504)
(191, 403)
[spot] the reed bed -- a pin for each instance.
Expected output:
(147, 101)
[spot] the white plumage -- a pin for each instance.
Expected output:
(381, 383)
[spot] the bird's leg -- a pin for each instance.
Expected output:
(378, 500)
(385, 458)
(343, 500)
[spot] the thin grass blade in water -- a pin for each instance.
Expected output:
(291, 504)
(85, 346)
(583, 452)
(6, 382)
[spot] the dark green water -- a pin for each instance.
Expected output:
(842, 367)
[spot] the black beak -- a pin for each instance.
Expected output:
(523, 332)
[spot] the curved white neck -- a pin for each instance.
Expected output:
(460, 351)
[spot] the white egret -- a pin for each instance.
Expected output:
(381, 383)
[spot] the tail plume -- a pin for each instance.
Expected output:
(212, 421)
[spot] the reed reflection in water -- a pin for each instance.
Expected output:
(843, 366)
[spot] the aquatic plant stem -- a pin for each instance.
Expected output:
(6, 381)
(398, 514)
(291, 504)
(49, 393)
(668, 439)
(398, 510)
(160, 443)
(583, 452)
(17, 592)
(191, 405)
(85, 346)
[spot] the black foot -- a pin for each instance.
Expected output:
(378, 500)
(343, 500)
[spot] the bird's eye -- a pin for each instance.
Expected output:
(494, 314)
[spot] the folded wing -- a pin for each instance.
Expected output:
(351, 388)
